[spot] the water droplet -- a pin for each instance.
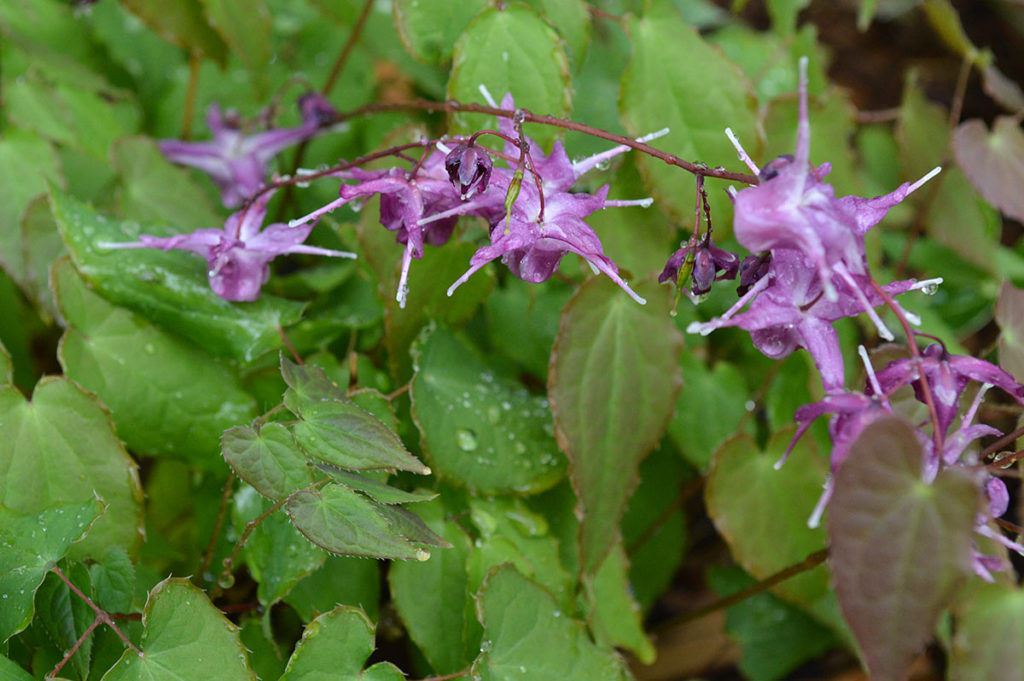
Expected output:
(149, 349)
(227, 581)
(930, 289)
(466, 439)
(493, 414)
(520, 448)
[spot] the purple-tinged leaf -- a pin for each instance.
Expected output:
(900, 546)
(988, 642)
(612, 383)
(994, 163)
(1010, 318)
(1002, 89)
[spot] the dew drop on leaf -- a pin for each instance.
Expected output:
(466, 439)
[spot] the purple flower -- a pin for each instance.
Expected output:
(469, 169)
(710, 264)
(947, 376)
(238, 256)
(237, 162)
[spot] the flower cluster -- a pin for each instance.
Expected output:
(809, 270)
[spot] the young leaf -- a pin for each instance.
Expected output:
(429, 28)
(527, 637)
(336, 645)
(900, 546)
(510, 49)
(184, 636)
(61, 448)
(166, 396)
(270, 460)
(988, 642)
(613, 383)
(32, 544)
(347, 523)
(377, 491)
(113, 580)
(993, 162)
(169, 288)
(480, 431)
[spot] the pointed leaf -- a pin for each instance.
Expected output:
(988, 642)
(527, 637)
(378, 491)
(113, 580)
(336, 645)
(60, 448)
(899, 545)
(994, 163)
(184, 636)
(166, 396)
(270, 460)
(510, 49)
(613, 383)
(32, 544)
(615, 615)
(169, 288)
(660, 89)
(480, 431)
(346, 523)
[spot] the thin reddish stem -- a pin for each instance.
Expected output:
(101, 614)
(353, 37)
(74, 649)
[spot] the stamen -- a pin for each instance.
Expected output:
(317, 213)
(743, 156)
(975, 404)
(486, 94)
(643, 203)
(883, 330)
(932, 173)
(583, 166)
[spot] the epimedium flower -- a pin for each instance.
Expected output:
(238, 162)
(710, 264)
(469, 169)
(238, 256)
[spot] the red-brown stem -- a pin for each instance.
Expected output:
(999, 465)
(1008, 526)
(397, 393)
(225, 497)
(598, 12)
(926, 390)
(353, 37)
(101, 614)
(74, 649)
(528, 117)
(1001, 442)
(288, 344)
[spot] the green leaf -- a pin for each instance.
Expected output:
(335, 646)
(899, 546)
(41, 245)
(571, 19)
(350, 581)
(155, 190)
(169, 288)
(166, 396)
(60, 449)
(479, 430)
(775, 636)
(27, 162)
(9, 671)
(276, 554)
(784, 13)
(377, 491)
(32, 544)
(270, 460)
(245, 27)
(65, 617)
(429, 28)
(184, 636)
(334, 430)
(708, 410)
(522, 320)
(428, 300)
(346, 523)
(433, 597)
(613, 383)
(113, 580)
(615, 615)
(6, 368)
(661, 89)
(988, 642)
(762, 512)
(181, 22)
(527, 637)
(511, 49)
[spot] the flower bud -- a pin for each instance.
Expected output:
(469, 169)
(752, 269)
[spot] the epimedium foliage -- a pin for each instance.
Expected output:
(248, 437)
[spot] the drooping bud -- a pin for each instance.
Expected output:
(469, 169)
(752, 269)
(316, 110)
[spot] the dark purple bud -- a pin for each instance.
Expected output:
(675, 261)
(752, 269)
(772, 168)
(469, 169)
(316, 109)
(710, 264)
